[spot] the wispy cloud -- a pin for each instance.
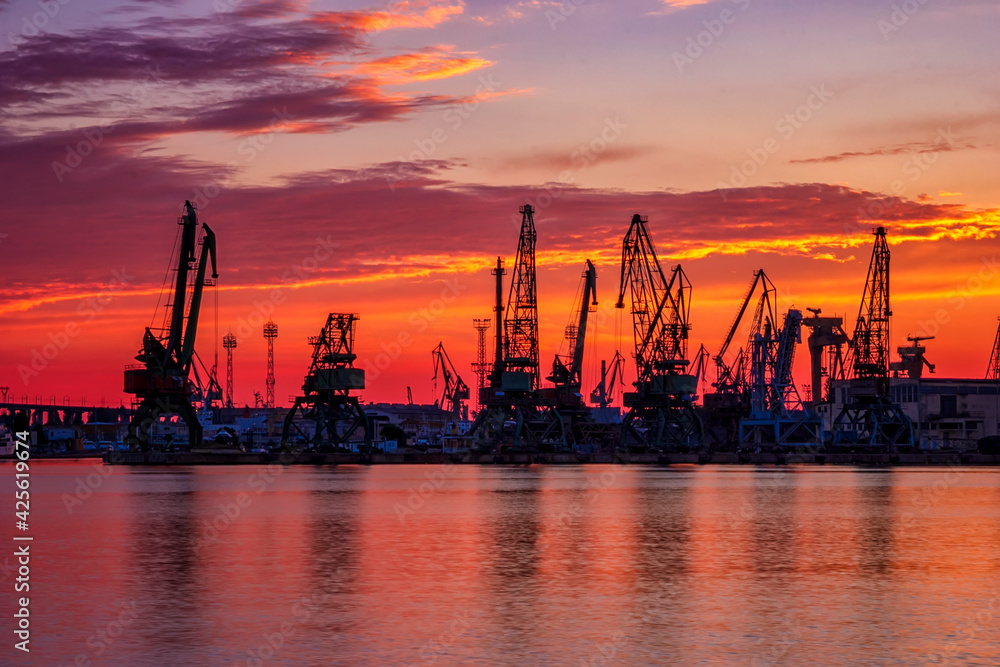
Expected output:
(913, 147)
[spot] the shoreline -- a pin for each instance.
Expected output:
(561, 458)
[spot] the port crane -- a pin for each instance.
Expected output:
(911, 358)
(777, 415)
(162, 381)
(868, 416)
(327, 416)
(567, 371)
(611, 379)
(513, 413)
(521, 319)
(756, 401)
(733, 378)
(564, 400)
(455, 391)
(661, 415)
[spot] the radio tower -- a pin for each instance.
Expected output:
(229, 342)
(270, 333)
(481, 369)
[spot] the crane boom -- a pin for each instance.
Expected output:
(660, 308)
(570, 376)
(207, 251)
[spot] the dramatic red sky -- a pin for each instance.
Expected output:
(753, 133)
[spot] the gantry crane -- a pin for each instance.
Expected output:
(661, 415)
(777, 415)
(327, 416)
(868, 416)
(162, 381)
(512, 412)
(455, 391)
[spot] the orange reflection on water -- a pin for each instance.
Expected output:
(518, 565)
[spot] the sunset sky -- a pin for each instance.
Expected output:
(371, 158)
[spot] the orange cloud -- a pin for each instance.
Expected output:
(416, 14)
(438, 62)
(605, 252)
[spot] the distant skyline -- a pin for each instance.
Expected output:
(371, 158)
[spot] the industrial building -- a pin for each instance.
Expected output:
(945, 413)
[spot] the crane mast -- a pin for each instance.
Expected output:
(869, 348)
(868, 416)
(496, 377)
(521, 317)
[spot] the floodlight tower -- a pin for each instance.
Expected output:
(481, 368)
(229, 342)
(270, 333)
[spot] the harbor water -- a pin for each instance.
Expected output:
(504, 565)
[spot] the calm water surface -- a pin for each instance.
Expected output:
(463, 565)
